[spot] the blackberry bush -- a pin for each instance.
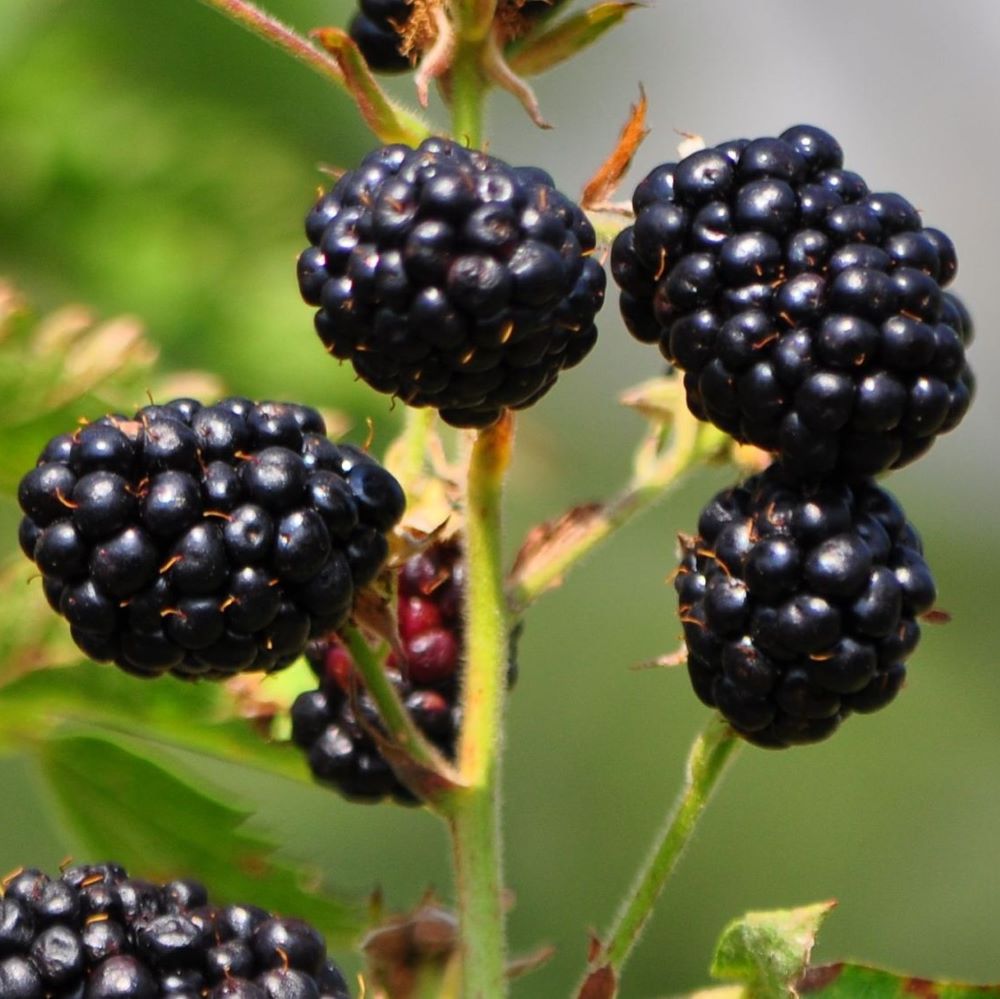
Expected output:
(334, 724)
(96, 932)
(800, 604)
(205, 540)
(807, 312)
(809, 316)
(452, 280)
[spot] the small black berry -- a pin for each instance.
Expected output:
(806, 312)
(205, 540)
(446, 276)
(799, 604)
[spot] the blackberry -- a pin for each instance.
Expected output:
(452, 280)
(147, 940)
(333, 724)
(205, 540)
(376, 30)
(807, 313)
(800, 603)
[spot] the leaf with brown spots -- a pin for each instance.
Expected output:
(603, 184)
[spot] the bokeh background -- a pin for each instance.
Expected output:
(156, 160)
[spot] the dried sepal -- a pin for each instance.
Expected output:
(605, 181)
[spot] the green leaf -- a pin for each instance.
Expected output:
(129, 807)
(190, 716)
(540, 52)
(852, 981)
(769, 950)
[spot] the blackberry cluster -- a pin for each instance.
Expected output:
(799, 604)
(376, 31)
(96, 933)
(205, 540)
(806, 311)
(325, 722)
(451, 279)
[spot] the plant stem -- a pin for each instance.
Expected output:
(272, 30)
(689, 446)
(397, 719)
(474, 808)
(268, 27)
(467, 91)
(713, 749)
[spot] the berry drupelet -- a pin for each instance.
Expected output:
(326, 723)
(806, 311)
(96, 933)
(799, 604)
(205, 540)
(452, 280)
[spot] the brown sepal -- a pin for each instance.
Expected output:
(603, 184)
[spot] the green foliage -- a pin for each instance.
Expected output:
(767, 951)
(130, 807)
(194, 717)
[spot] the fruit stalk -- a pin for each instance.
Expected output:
(474, 809)
(400, 725)
(713, 749)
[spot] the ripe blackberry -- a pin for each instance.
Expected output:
(205, 541)
(806, 312)
(451, 279)
(799, 604)
(326, 722)
(119, 936)
(376, 31)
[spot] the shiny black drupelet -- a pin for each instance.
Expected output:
(452, 280)
(95, 932)
(806, 311)
(205, 541)
(799, 604)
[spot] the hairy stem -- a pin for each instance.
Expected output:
(468, 88)
(398, 722)
(474, 808)
(712, 750)
(272, 30)
(408, 126)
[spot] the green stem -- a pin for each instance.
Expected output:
(689, 446)
(474, 808)
(713, 749)
(468, 88)
(397, 719)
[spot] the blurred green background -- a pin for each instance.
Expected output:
(155, 160)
